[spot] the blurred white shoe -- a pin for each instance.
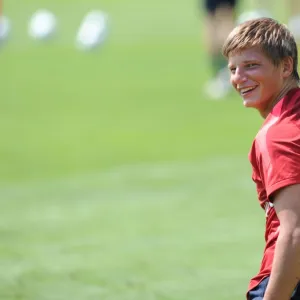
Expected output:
(42, 25)
(219, 87)
(4, 28)
(253, 14)
(92, 31)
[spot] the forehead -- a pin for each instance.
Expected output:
(248, 54)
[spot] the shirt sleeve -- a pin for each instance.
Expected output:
(283, 158)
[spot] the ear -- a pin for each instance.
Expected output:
(287, 66)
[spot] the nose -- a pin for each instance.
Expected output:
(238, 76)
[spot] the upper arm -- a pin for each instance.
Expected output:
(287, 206)
(282, 174)
(282, 159)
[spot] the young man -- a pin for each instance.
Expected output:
(218, 22)
(262, 58)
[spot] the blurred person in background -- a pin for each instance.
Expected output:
(263, 60)
(294, 18)
(255, 9)
(289, 14)
(219, 21)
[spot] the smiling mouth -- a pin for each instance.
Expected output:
(246, 91)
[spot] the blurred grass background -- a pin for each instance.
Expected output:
(118, 178)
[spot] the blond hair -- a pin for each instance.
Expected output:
(274, 39)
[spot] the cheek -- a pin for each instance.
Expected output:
(271, 83)
(232, 81)
(258, 76)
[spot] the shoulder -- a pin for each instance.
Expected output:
(282, 139)
(277, 140)
(283, 131)
(281, 156)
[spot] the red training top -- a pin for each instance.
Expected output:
(275, 159)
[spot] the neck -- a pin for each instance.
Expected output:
(286, 88)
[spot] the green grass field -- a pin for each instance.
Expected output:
(119, 180)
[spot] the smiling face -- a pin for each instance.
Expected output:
(256, 78)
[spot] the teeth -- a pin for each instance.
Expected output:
(247, 89)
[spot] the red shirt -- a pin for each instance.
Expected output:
(275, 159)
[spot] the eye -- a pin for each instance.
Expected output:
(251, 65)
(232, 70)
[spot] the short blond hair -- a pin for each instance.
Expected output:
(274, 39)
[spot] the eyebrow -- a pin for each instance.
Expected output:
(250, 60)
(245, 62)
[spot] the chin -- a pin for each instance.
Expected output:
(253, 103)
